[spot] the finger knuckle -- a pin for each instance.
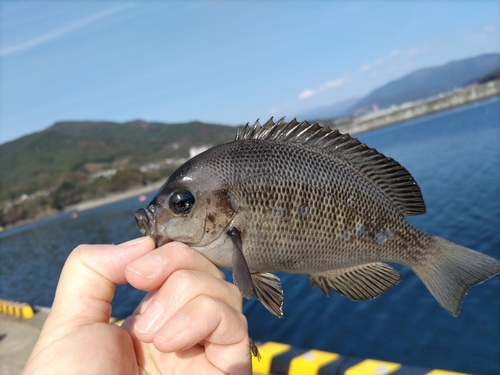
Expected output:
(242, 320)
(79, 251)
(183, 279)
(210, 305)
(177, 254)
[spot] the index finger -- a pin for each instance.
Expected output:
(150, 272)
(87, 284)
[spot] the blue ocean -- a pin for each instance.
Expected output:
(454, 156)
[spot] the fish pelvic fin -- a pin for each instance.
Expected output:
(452, 270)
(268, 290)
(358, 283)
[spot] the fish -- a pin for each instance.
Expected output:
(300, 198)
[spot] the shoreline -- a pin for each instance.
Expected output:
(371, 121)
(355, 127)
(87, 205)
(407, 111)
(130, 193)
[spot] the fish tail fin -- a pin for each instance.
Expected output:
(452, 269)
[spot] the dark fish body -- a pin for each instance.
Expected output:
(298, 198)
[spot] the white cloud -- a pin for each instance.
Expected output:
(365, 68)
(279, 111)
(481, 37)
(60, 32)
(395, 60)
(416, 51)
(309, 93)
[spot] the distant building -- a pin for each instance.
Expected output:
(149, 167)
(105, 173)
(193, 151)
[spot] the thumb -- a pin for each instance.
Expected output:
(87, 285)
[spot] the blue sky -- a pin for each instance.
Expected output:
(227, 62)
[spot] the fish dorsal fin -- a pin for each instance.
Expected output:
(390, 177)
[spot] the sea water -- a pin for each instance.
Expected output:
(454, 156)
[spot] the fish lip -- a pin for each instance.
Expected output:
(143, 220)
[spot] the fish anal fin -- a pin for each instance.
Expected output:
(241, 273)
(358, 283)
(267, 288)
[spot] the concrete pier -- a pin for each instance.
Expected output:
(407, 111)
(18, 336)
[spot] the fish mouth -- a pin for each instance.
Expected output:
(144, 219)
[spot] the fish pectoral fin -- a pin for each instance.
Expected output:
(241, 273)
(267, 288)
(358, 283)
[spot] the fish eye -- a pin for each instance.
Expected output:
(181, 202)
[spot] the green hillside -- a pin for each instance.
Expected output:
(60, 160)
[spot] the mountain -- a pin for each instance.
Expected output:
(492, 76)
(419, 84)
(72, 150)
(73, 161)
(428, 82)
(330, 111)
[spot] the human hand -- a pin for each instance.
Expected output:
(190, 322)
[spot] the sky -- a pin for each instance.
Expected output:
(227, 62)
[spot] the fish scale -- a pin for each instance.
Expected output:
(304, 199)
(286, 187)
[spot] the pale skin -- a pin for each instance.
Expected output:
(190, 322)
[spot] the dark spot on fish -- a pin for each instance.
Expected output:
(381, 238)
(279, 211)
(346, 234)
(211, 218)
(362, 230)
(303, 211)
(209, 201)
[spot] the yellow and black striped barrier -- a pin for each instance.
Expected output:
(19, 309)
(283, 359)
(114, 321)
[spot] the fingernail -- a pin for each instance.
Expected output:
(135, 241)
(147, 266)
(150, 320)
(172, 328)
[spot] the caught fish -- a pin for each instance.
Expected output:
(304, 199)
